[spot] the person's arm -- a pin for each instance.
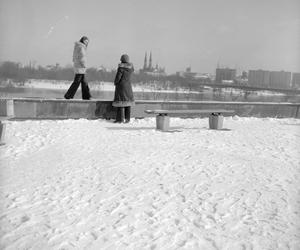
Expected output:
(82, 56)
(118, 76)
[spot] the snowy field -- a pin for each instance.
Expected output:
(79, 184)
(109, 86)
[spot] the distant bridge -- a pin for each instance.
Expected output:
(249, 88)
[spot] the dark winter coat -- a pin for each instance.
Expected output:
(123, 92)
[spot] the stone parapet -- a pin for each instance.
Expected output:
(26, 108)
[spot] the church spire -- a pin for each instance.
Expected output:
(150, 61)
(145, 61)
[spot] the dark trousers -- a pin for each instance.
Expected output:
(85, 91)
(123, 112)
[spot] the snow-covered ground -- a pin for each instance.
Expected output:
(80, 184)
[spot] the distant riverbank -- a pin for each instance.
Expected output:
(143, 91)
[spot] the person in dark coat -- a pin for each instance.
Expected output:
(123, 99)
(79, 62)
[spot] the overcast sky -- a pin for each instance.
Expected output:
(243, 34)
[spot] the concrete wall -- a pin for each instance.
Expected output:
(6, 107)
(74, 109)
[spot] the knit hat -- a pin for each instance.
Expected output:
(124, 58)
(82, 39)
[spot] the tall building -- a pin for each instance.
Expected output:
(225, 74)
(280, 79)
(296, 80)
(244, 75)
(270, 79)
(259, 78)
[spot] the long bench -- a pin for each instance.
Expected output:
(163, 119)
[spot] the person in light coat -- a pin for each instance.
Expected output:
(79, 63)
(123, 98)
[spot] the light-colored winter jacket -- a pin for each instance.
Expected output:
(79, 58)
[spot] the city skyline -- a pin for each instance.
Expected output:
(180, 34)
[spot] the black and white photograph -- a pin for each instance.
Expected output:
(150, 125)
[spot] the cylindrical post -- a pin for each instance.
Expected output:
(216, 121)
(162, 122)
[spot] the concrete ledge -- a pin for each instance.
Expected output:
(6, 107)
(26, 108)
